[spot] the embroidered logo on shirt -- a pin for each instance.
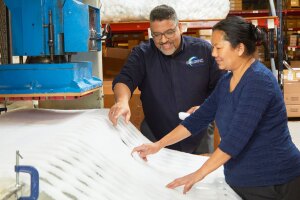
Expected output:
(194, 60)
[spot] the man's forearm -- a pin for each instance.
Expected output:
(121, 92)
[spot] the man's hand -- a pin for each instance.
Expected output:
(120, 108)
(147, 149)
(192, 109)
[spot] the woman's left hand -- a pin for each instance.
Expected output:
(188, 181)
(147, 149)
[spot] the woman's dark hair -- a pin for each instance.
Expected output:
(237, 30)
(163, 12)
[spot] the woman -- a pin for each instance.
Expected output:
(260, 160)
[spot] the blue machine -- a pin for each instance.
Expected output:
(49, 32)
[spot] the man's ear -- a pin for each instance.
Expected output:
(181, 27)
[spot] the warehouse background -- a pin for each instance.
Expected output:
(125, 36)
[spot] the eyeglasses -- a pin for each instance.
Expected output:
(168, 34)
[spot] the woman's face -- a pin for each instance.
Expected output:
(166, 35)
(226, 56)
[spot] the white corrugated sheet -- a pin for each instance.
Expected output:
(80, 155)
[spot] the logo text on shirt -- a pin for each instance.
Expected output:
(194, 60)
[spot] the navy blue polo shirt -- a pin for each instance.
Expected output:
(171, 84)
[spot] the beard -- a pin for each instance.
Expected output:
(167, 48)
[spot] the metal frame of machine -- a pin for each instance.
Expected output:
(48, 33)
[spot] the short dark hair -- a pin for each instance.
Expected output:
(163, 12)
(237, 30)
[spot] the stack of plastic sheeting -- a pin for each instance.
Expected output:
(80, 155)
(137, 10)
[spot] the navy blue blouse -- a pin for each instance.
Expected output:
(252, 123)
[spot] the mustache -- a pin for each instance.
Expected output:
(162, 43)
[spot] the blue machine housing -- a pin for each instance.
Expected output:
(76, 28)
(44, 79)
(72, 20)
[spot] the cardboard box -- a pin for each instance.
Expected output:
(291, 23)
(293, 40)
(298, 22)
(291, 93)
(295, 64)
(293, 110)
(294, 3)
(236, 5)
(205, 32)
(113, 61)
(291, 75)
(130, 36)
(113, 52)
(132, 43)
(292, 99)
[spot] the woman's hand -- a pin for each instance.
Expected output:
(217, 159)
(176, 135)
(188, 181)
(147, 149)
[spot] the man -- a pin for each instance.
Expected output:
(174, 73)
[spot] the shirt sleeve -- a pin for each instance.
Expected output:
(200, 119)
(133, 71)
(255, 97)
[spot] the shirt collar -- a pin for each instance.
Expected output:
(180, 48)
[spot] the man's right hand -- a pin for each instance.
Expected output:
(120, 108)
(193, 109)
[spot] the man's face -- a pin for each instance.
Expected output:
(166, 35)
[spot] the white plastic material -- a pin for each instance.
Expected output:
(80, 155)
(137, 10)
(183, 115)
